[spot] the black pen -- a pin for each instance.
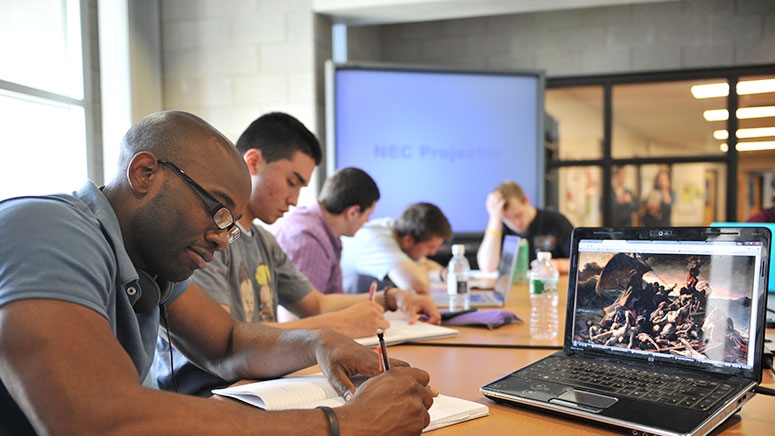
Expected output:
(383, 349)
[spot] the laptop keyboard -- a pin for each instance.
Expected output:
(626, 381)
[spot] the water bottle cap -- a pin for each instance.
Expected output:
(458, 249)
(544, 255)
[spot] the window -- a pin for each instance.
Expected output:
(43, 142)
(581, 110)
(660, 119)
(622, 137)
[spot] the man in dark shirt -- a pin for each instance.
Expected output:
(512, 214)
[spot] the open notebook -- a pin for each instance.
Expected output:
(664, 330)
(308, 392)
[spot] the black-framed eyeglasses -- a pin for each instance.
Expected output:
(221, 214)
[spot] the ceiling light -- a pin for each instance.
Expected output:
(744, 113)
(755, 146)
(756, 86)
(711, 90)
(749, 146)
(757, 132)
(716, 115)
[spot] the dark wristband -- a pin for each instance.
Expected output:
(333, 422)
(385, 297)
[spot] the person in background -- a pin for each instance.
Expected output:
(254, 275)
(765, 215)
(78, 325)
(623, 202)
(395, 252)
(510, 213)
(311, 235)
(659, 203)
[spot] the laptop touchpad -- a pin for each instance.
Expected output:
(584, 400)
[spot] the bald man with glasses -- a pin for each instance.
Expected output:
(86, 278)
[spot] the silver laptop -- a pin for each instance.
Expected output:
(496, 297)
(664, 330)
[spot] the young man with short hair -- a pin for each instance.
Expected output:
(311, 235)
(510, 213)
(395, 251)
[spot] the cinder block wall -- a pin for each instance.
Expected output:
(686, 34)
(230, 61)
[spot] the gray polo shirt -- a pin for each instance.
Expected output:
(69, 248)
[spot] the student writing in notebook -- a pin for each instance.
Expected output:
(85, 278)
(253, 276)
(510, 213)
(395, 251)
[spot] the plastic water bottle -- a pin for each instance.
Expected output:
(543, 297)
(457, 279)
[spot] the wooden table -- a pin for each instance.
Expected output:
(460, 371)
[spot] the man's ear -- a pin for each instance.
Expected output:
(405, 242)
(141, 171)
(254, 159)
(352, 212)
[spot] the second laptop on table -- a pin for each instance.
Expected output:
(499, 287)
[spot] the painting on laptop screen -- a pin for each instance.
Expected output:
(679, 306)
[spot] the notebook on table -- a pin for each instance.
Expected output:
(496, 297)
(401, 331)
(310, 391)
(771, 285)
(664, 330)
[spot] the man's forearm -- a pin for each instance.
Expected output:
(331, 321)
(262, 351)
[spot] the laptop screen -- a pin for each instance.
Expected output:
(693, 300)
(508, 261)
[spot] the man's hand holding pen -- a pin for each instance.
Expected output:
(408, 396)
(402, 394)
(396, 403)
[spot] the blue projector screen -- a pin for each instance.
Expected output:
(446, 137)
